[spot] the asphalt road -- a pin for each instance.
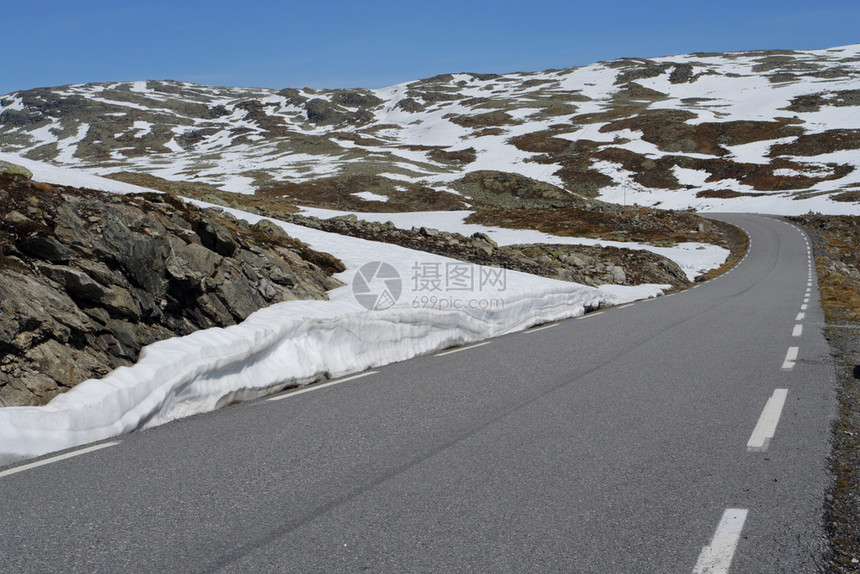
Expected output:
(622, 441)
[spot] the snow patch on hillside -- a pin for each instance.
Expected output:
(722, 87)
(72, 177)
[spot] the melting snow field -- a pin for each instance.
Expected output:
(236, 148)
(441, 302)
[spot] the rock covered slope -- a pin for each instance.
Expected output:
(760, 131)
(594, 265)
(87, 279)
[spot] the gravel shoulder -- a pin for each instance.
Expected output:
(836, 243)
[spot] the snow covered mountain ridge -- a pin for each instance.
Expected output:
(767, 131)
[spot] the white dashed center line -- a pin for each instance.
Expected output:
(800, 317)
(798, 331)
(790, 358)
(717, 556)
(765, 429)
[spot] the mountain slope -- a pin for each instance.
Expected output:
(753, 131)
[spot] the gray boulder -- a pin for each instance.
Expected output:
(12, 169)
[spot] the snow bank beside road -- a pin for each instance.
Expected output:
(288, 342)
(441, 302)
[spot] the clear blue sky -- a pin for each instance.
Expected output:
(367, 43)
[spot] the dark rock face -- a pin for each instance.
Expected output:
(293, 96)
(814, 102)
(273, 125)
(87, 279)
(816, 144)
(323, 113)
(639, 70)
(580, 264)
(512, 190)
(356, 99)
(681, 73)
(410, 105)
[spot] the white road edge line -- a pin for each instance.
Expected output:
(717, 556)
(790, 358)
(765, 429)
(624, 306)
(457, 350)
(587, 315)
(58, 458)
(536, 329)
(322, 386)
(798, 331)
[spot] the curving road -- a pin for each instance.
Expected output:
(688, 433)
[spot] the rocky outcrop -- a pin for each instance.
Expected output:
(490, 188)
(87, 279)
(356, 99)
(324, 113)
(581, 264)
(681, 74)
